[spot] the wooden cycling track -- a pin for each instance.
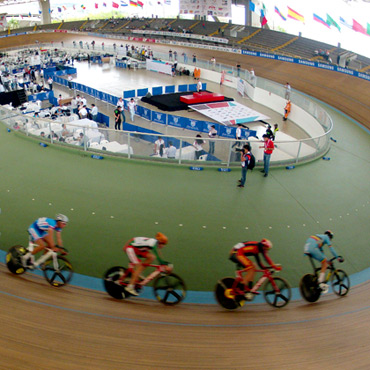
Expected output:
(73, 328)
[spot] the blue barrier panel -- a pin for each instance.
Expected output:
(177, 121)
(229, 132)
(183, 88)
(110, 99)
(144, 112)
(115, 100)
(169, 89)
(204, 86)
(192, 87)
(129, 94)
(194, 125)
(142, 92)
(157, 90)
(207, 126)
(249, 133)
(102, 118)
(159, 117)
(104, 96)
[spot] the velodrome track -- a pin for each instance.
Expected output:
(79, 329)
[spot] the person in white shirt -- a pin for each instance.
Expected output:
(132, 108)
(238, 135)
(50, 82)
(212, 134)
(171, 151)
(94, 112)
(159, 146)
(83, 112)
(120, 103)
(198, 145)
(69, 81)
(199, 86)
(287, 91)
(74, 105)
(83, 101)
(213, 61)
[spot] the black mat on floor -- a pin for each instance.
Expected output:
(171, 102)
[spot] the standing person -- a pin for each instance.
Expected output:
(269, 132)
(199, 86)
(238, 135)
(198, 145)
(117, 118)
(223, 73)
(276, 129)
(194, 59)
(287, 91)
(268, 149)
(213, 63)
(59, 100)
(238, 69)
(185, 57)
(314, 248)
(212, 134)
(120, 103)
(253, 77)
(132, 108)
(245, 159)
(50, 82)
(74, 105)
(175, 55)
(94, 112)
(170, 55)
(287, 109)
(69, 81)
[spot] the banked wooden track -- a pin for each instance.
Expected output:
(73, 328)
(350, 95)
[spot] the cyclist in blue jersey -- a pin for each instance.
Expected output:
(314, 247)
(42, 234)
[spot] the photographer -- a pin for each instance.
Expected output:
(245, 159)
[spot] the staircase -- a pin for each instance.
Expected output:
(22, 96)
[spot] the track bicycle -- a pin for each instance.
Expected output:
(230, 292)
(168, 287)
(56, 268)
(309, 285)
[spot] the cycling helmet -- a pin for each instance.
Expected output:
(161, 238)
(266, 243)
(62, 218)
(329, 234)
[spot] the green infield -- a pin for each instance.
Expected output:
(202, 212)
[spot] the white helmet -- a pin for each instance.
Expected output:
(62, 218)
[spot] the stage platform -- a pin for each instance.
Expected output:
(201, 97)
(172, 102)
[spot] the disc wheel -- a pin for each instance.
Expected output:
(13, 259)
(225, 296)
(309, 288)
(60, 276)
(169, 289)
(340, 283)
(277, 298)
(111, 283)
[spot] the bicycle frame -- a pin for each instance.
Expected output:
(49, 254)
(267, 275)
(330, 268)
(147, 279)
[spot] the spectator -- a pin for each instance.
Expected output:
(170, 54)
(94, 112)
(120, 103)
(82, 140)
(171, 151)
(238, 135)
(175, 55)
(50, 82)
(199, 86)
(69, 81)
(198, 145)
(128, 63)
(53, 136)
(74, 105)
(59, 100)
(185, 57)
(238, 66)
(268, 149)
(83, 111)
(276, 129)
(117, 118)
(83, 100)
(245, 158)
(159, 146)
(252, 76)
(194, 59)
(213, 63)
(42, 134)
(212, 134)
(132, 108)
(269, 132)
(287, 91)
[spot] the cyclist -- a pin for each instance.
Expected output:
(239, 253)
(314, 247)
(42, 233)
(141, 247)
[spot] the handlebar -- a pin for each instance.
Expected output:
(340, 259)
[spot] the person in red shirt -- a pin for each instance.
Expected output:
(239, 253)
(269, 147)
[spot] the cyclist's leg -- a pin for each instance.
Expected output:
(249, 269)
(139, 267)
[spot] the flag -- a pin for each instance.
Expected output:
(105, 4)
(368, 29)
(59, 10)
(96, 6)
(40, 12)
(74, 7)
(294, 15)
(124, 3)
(252, 7)
(133, 3)
(83, 7)
(331, 22)
(320, 20)
(29, 14)
(64, 7)
(115, 5)
(358, 28)
(167, 2)
(278, 12)
(344, 22)
(140, 4)
(264, 21)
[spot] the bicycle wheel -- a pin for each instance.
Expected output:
(276, 298)
(309, 288)
(60, 276)
(111, 284)
(13, 259)
(169, 289)
(225, 296)
(340, 283)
